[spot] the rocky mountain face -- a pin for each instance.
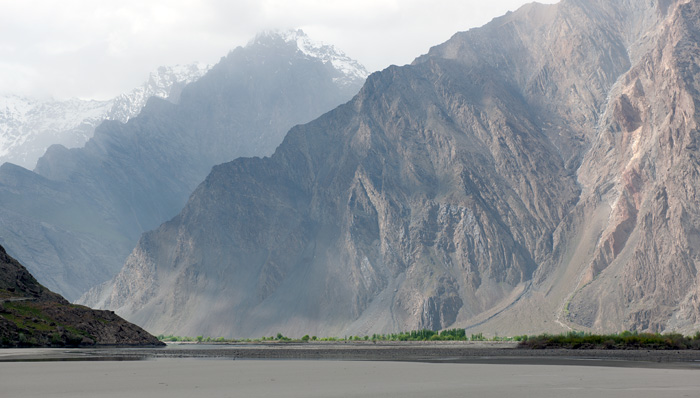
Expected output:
(535, 174)
(31, 315)
(642, 169)
(29, 126)
(74, 220)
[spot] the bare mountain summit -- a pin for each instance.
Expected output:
(535, 174)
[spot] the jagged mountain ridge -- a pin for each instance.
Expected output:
(496, 184)
(74, 219)
(29, 126)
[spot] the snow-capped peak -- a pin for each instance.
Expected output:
(29, 125)
(351, 70)
(165, 82)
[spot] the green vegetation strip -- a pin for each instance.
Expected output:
(415, 335)
(571, 340)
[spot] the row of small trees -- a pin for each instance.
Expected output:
(414, 335)
(573, 340)
(198, 339)
(202, 339)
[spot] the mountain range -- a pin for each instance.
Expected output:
(75, 218)
(28, 126)
(536, 174)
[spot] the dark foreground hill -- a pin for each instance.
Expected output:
(33, 316)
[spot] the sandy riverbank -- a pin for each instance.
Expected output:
(187, 377)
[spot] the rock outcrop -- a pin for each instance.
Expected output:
(33, 316)
(535, 174)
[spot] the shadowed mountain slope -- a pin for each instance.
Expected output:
(74, 220)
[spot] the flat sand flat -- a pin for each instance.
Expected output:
(173, 378)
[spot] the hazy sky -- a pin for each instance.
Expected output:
(100, 48)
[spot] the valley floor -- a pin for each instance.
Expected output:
(188, 377)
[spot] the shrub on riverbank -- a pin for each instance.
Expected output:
(618, 341)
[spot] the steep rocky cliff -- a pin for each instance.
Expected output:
(643, 169)
(76, 218)
(535, 174)
(31, 315)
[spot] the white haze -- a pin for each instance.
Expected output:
(98, 49)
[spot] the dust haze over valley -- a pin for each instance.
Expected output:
(536, 174)
(74, 219)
